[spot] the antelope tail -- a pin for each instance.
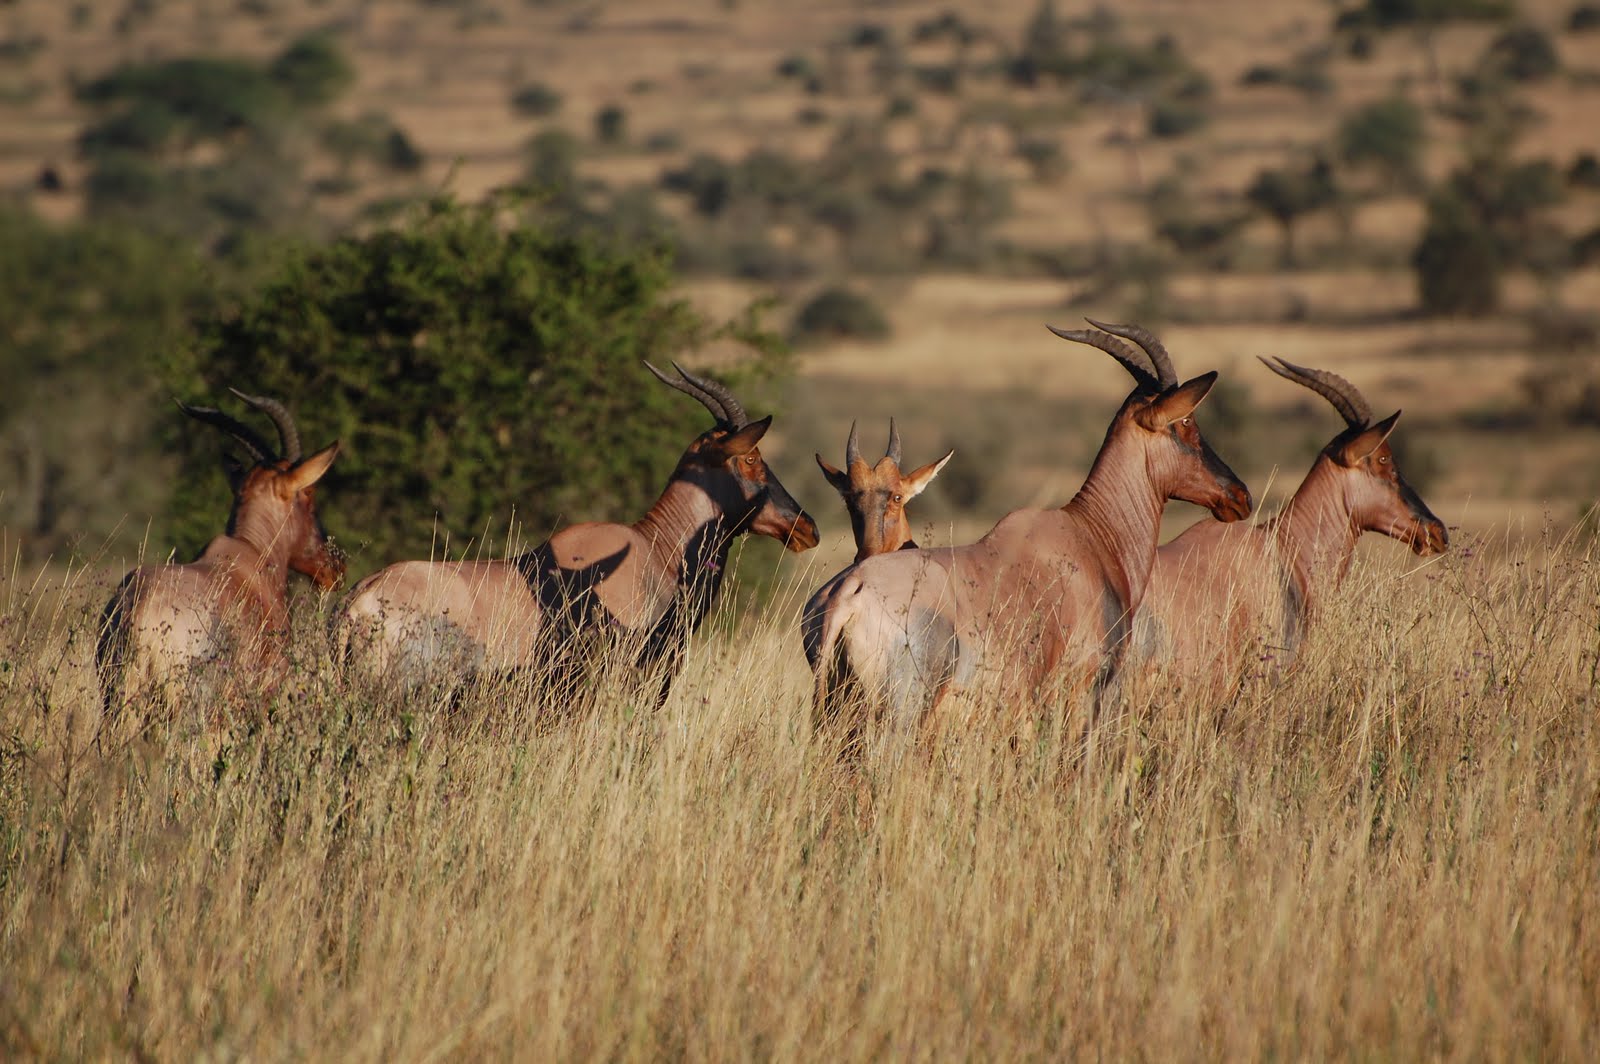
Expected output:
(825, 622)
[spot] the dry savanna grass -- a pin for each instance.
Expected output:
(1392, 851)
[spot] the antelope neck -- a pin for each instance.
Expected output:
(252, 530)
(1120, 507)
(682, 513)
(1316, 529)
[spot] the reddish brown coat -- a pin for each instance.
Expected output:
(1047, 593)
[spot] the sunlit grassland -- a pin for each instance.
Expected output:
(1392, 851)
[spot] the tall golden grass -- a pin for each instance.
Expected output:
(1393, 850)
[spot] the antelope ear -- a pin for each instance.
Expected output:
(1177, 403)
(744, 441)
(839, 480)
(311, 470)
(1364, 443)
(915, 481)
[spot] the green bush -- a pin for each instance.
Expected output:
(536, 100)
(313, 70)
(610, 124)
(1584, 18)
(472, 370)
(1386, 14)
(1386, 135)
(90, 309)
(1176, 118)
(1457, 263)
(1522, 53)
(839, 313)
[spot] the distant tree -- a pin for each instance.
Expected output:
(90, 310)
(1488, 215)
(610, 124)
(1584, 18)
(1287, 195)
(1456, 262)
(1387, 136)
(536, 100)
(1522, 53)
(313, 70)
(837, 313)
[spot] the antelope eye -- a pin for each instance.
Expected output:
(899, 498)
(1383, 460)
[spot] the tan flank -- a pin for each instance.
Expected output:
(1046, 593)
(1216, 587)
(230, 605)
(653, 580)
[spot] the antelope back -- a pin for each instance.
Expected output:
(875, 496)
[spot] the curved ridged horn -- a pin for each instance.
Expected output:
(684, 386)
(852, 448)
(893, 454)
(1116, 349)
(1350, 403)
(736, 417)
(1152, 347)
(288, 434)
(210, 415)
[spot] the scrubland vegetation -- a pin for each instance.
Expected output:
(455, 266)
(1391, 850)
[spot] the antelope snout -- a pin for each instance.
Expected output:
(802, 534)
(1430, 538)
(1234, 504)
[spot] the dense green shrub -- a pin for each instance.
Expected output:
(89, 309)
(473, 371)
(1584, 18)
(610, 124)
(838, 313)
(1286, 195)
(1385, 14)
(313, 70)
(536, 100)
(1522, 53)
(1386, 135)
(1457, 262)
(1175, 118)
(203, 98)
(372, 137)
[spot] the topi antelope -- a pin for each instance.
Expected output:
(1215, 587)
(653, 580)
(230, 605)
(1046, 593)
(876, 495)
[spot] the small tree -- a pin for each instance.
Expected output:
(1386, 136)
(1522, 53)
(838, 313)
(610, 124)
(1457, 263)
(471, 370)
(1286, 196)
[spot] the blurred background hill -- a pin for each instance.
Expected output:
(1404, 191)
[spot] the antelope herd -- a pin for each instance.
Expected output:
(1044, 609)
